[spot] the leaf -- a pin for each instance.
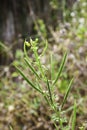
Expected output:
(74, 117)
(61, 68)
(32, 69)
(10, 127)
(67, 93)
(49, 90)
(28, 81)
(52, 67)
(45, 48)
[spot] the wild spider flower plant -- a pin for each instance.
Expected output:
(39, 71)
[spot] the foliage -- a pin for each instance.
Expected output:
(48, 90)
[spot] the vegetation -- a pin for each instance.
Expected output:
(47, 92)
(44, 86)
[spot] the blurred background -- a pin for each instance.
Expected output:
(21, 19)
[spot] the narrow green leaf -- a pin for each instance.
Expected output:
(4, 46)
(10, 127)
(67, 93)
(52, 68)
(32, 69)
(74, 117)
(28, 81)
(61, 68)
(49, 90)
(56, 126)
(25, 53)
(45, 48)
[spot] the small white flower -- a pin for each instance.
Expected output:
(72, 14)
(10, 108)
(1, 105)
(82, 11)
(81, 20)
(84, 4)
